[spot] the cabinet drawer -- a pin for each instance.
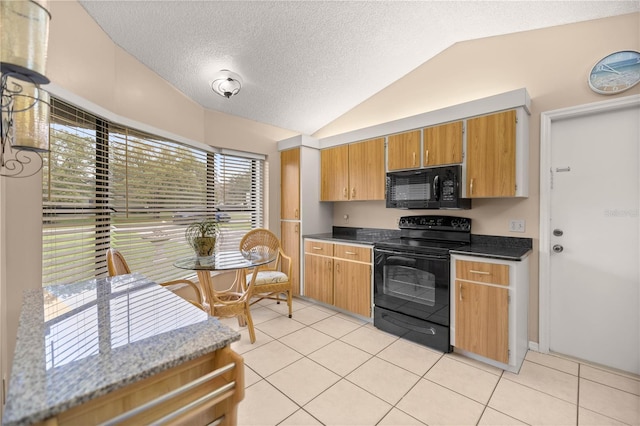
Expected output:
(360, 254)
(317, 247)
(482, 272)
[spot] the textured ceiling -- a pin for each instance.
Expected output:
(305, 63)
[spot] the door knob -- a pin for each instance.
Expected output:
(558, 248)
(558, 232)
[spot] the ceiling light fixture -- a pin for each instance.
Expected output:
(226, 83)
(24, 120)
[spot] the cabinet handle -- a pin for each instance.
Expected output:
(344, 192)
(353, 193)
(297, 214)
(338, 267)
(473, 271)
(317, 248)
(297, 228)
(329, 265)
(471, 187)
(352, 253)
(426, 157)
(460, 291)
(414, 159)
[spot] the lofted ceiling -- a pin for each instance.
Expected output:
(305, 63)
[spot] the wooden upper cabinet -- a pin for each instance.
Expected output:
(403, 151)
(366, 170)
(334, 174)
(443, 144)
(353, 172)
(491, 155)
(290, 184)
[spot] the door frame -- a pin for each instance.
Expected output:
(546, 123)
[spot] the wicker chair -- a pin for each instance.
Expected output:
(273, 280)
(117, 265)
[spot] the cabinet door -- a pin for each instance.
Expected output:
(318, 278)
(334, 174)
(290, 240)
(290, 184)
(491, 155)
(403, 150)
(352, 286)
(366, 170)
(443, 144)
(482, 320)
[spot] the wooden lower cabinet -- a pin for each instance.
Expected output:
(338, 275)
(290, 240)
(219, 395)
(352, 286)
(482, 320)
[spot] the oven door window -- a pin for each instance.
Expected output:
(402, 279)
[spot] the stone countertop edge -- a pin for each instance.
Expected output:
(37, 393)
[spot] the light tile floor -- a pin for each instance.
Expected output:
(325, 368)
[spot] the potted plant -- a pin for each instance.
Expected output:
(202, 236)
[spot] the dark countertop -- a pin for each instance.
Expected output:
(489, 246)
(77, 342)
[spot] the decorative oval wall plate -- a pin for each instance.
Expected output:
(615, 73)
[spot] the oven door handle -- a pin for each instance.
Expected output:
(419, 256)
(412, 327)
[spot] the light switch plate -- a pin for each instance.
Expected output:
(517, 225)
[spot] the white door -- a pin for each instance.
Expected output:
(594, 296)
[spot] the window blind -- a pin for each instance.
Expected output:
(106, 185)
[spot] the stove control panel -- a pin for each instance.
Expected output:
(438, 223)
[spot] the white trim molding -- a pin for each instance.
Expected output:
(546, 121)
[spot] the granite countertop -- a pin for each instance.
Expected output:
(77, 342)
(491, 246)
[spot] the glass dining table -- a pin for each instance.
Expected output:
(221, 262)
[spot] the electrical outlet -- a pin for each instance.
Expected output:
(516, 225)
(346, 218)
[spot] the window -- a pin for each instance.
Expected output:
(106, 185)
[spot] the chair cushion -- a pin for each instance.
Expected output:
(269, 277)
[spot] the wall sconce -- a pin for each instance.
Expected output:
(226, 83)
(24, 123)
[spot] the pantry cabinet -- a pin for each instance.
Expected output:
(489, 309)
(443, 144)
(339, 275)
(290, 241)
(403, 150)
(290, 184)
(353, 172)
(496, 164)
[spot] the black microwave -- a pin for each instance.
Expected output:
(431, 188)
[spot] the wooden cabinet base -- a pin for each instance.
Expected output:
(197, 392)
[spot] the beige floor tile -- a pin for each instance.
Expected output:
(335, 327)
(269, 358)
(531, 406)
(610, 402)
(264, 405)
(434, 405)
(478, 364)
(303, 380)
(369, 339)
(491, 417)
(383, 379)
(553, 361)
(589, 418)
(281, 308)
(346, 404)
(311, 315)
(351, 318)
(327, 309)
(245, 345)
(306, 340)
(260, 314)
(410, 356)
(463, 378)
(340, 357)
(300, 418)
(398, 418)
(548, 380)
(279, 327)
(250, 377)
(610, 378)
